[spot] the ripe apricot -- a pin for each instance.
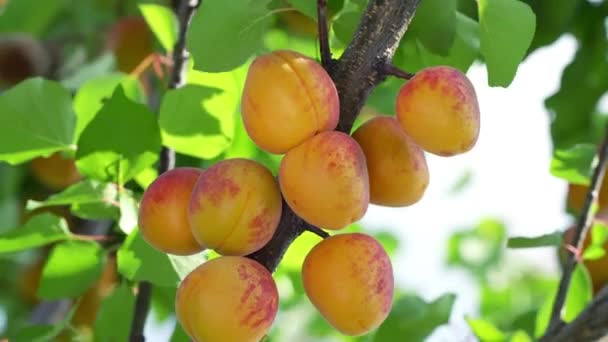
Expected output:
(235, 207)
(349, 279)
(163, 212)
(227, 299)
(131, 40)
(325, 181)
(438, 108)
(398, 174)
(55, 171)
(288, 98)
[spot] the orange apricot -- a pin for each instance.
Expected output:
(438, 108)
(131, 40)
(325, 181)
(287, 98)
(55, 171)
(235, 207)
(227, 299)
(398, 173)
(349, 279)
(163, 212)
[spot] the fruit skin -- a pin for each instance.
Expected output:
(22, 56)
(131, 40)
(287, 98)
(349, 279)
(227, 299)
(235, 207)
(438, 108)
(163, 212)
(55, 171)
(398, 173)
(598, 268)
(325, 180)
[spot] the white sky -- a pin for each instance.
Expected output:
(511, 182)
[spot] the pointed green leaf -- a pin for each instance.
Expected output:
(552, 239)
(580, 293)
(162, 22)
(115, 315)
(507, 28)
(120, 142)
(435, 25)
(307, 7)
(183, 265)
(40, 230)
(36, 119)
(242, 22)
(574, 164)
(486, 331)
(86, 191)
(72, 267)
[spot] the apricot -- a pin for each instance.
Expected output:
(235, 207)
(349, 279)
(131, 41)
(577, 194)
(287, 98)
(230, 298)
(163, 212)
(438, 108)
(598, 268)
(398, 173)
(55, 172)
(22, 56)
(325, 181)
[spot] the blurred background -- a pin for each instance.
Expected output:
(449, 250)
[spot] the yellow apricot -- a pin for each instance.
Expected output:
(349, 279)
(235, 207)
(287, 98)
(163, 212)
(398, 174)
(438, 109)
(227, 299)
(55, 171)
(324, 180)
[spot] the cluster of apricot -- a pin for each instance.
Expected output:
(290, 106)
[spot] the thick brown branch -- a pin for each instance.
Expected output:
(355, 74)
(177, 79)
(582, 228)
(590, 325)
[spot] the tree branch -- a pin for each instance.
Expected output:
(389, 69)
(355, 74)
(590, 325)
(582, 228)
(177, 79)
(323, 34)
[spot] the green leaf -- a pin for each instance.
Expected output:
(574, 164)
(544, 314)
(599, 233)
(183, 265)
(553, 239)
(242, 22)
(388, 240)
(346, 25)
(189, 126)
(36, 119)
(307, 7)
(507, 28)
(435, 25)
(86, 191)
(486, 331)
(102, 65)
(40, 230)
(72, 267)
(520, 336)
(43, 333)
(20, 16)
(91, 96)
(411, 316)
(162, 22)
(138, 261)
(580, 293)
(96, 211)
(115, 315)
(128, 212)
(121, 141)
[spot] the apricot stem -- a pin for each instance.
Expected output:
(323, 34)
(318, 231)
(582, 228)
(389, 69)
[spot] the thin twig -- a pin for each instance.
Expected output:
(389, 69)
(582, 228)
(318, 231)
(323, 34)
(177, 79)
